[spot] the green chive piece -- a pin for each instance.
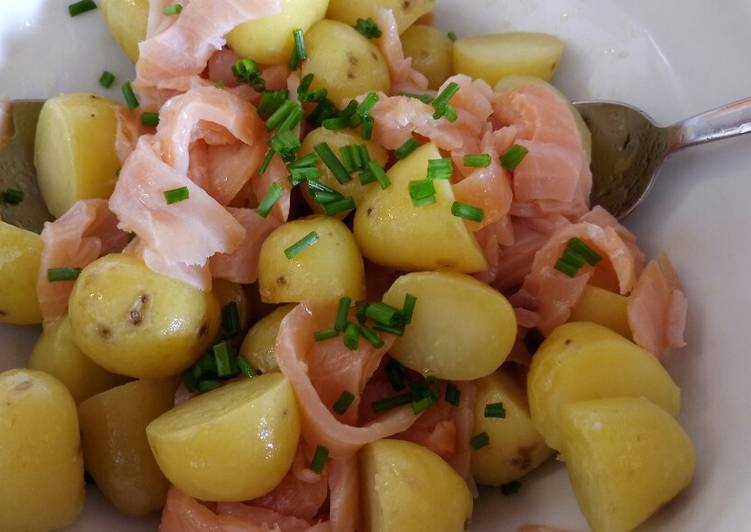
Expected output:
(281, 114)
(440, 169)
(207, 364)
(481, 160)
(221, 359)
(130, 97)
(83, 6)
(424, 202)
(325, 109)
(396, 330)
(409, 307)
(368, 28)
(384, 314)
(342, 312)
(480, 440)
(334, 124)
(424, 98)
(362, 307)
(302, 54)
(511, 488)
(325, 198)
(452, 36)
(453, 394)
(367, 128)
(106, 79)
(298, 175)
(150, 119)
(338, 206)
(326, 154)
(367, 177)
(496, 410)
(325, 334)
(364, 155)
(513, 157)
(319, 459)
(349, 157)
(422, 405)
(391, 402)
(468, 212)
(396, 374)
(371, 337)
(352, 336)
(450, 114)
(421, 191)
(286, 144)
(209, 385)
(310, 160)
(370, 101)
(272, 100)
(303, 244)
(231, 319)
(247, 71)
(174, 9)
(12, 196)
(590, 255)
(441, 103)
(266, 162)
(55, 275)
(379, 173)
(270, 199)
(189, 380)
(317, 187)
(305, 84)
(245, 367)
(573, 258)
(293, 118)
(406, 149)
(344, 402)
(176, 195)
(566, 268)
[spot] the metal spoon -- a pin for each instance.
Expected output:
(628, 148)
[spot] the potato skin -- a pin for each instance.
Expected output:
(603, 307)
(461, 328)
(431, 51)
(515, 448)
(41, 465)
(133, 321)
(116, 452)
(258, 346)
(269, 40)
(57, 354)
(20, 253)
(127, 21)
(234, 443)
(329, 269)
(406, 13)
(74, 151)
(409, 488)
(344, 62)
(626, 458)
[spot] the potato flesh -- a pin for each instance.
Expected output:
(515, 447)
(583, 361)
(405, 13)
(626, 458)
(20, 253)
(116, 452)
(133, 321)
(431, 51)
(268, 40)
(407, 487)
(344, 62)
(57, 354)
(74, 151)
(234, 443)
(41, 466)
(461, 329)
(605, 308)
(127, 21)
(392, 232)
(329, 269)
(258, 346)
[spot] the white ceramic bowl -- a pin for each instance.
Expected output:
(673, 58)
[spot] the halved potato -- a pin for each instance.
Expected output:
(406, 12)
(258, 346)
(127, 21)
(20, 253)
(431, 51)
(603, 307)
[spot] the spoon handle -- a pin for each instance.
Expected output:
(728, 121)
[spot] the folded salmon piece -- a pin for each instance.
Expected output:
(403, 76)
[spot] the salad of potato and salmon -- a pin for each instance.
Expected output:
(329, 268)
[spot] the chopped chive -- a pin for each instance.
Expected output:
(468, 212)
(566, 268)
(511, 488)
(441, 103)
(281, 114)
(481, 160)
(513, 157)
(325, 334)
(349, 158)
(589, 254)
(406, 149)
(496, 410)
(480, 440)
(319, 459)
(422, 405)
(364, 155)
(391, 402)
(422, 190)
(130, 97)
(207, 364)
(81, 7)
(305, 84)
(303, 244)
(440, 169)
(55, 275)
(325, 198)
(106, 79)
(342, 312)
(352, 336)
(383, 314)
(12, 196)
(266, 162)
(371, 337)
(325, 109)
(453, 394)
(247, 71)
(370, 101)
(396, 330)
(334, 124)
(362, 308)
(270, 199)
(221, 359)
(452, 36)
(338, 206)
(573, 258)
(317, 186)
(231, 319)
(395, 373)
(380, 175)
(293, 118)
(424, 98)
(150, 119)
(424, 202)
(245, 368)
(302, 54)
(272, 100)
(176, 195)
(344, 402)
(286, 144)
(409, 307)
(310, 160)
(367, 128)
(368, 28)
(326, 154)
(189, 380)
(174, 9)
(367, 177)
(208, 385)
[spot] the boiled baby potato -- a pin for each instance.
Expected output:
(57, 354)
(461, 329)
(20, 253)
(74, 151)
(127, 21)
(409, 488)
(431, 51)
(133, 321)
(406, 12)
(337, 140)
(268, 40)
(258, 346)
(515, 447)
(626, 458)
(41, 466)
(329, 268)
(115, 449)
(344, 62)
(392, 232)
(493, 57)
(234, 443)
(583, 361)
(603, 307)
(226, 293)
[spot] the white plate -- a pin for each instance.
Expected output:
(671, 57)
